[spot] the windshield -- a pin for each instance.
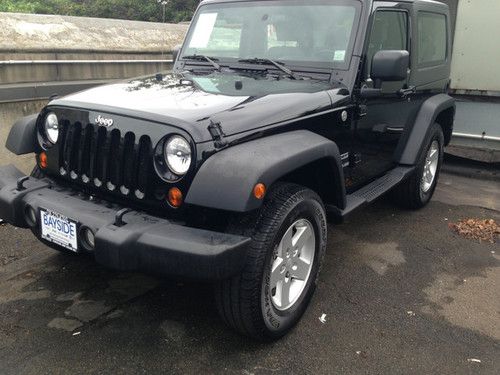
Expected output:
(303, 33)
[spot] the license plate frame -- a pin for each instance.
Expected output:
(59, 229)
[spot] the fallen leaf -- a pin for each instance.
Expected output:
(477, 229)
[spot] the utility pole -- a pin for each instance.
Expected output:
(164, 4)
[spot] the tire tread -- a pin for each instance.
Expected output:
(407, 194)
(236, 297)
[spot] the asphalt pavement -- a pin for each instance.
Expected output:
(401, 294)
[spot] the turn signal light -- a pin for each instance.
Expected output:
(175, 197)
(42, 159)
(259, 191)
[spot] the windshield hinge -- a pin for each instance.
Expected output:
(217, 134)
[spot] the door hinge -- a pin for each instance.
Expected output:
(345, 159)
(361, 111)
(354, 158)
(217, 134)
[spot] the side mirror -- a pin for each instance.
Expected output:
(390, 66)
(175, 52)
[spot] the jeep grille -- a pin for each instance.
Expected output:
(106, 159)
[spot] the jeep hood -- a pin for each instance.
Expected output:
(240, 103)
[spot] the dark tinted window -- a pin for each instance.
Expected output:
(389, 32)
(432, 38)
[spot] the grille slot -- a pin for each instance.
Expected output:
(84, 157)
(108, 160)
(144, 157)
(129, 179)
(100, 152)
(114, 160)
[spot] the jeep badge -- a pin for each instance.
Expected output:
(102, 121)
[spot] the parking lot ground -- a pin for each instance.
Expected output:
(401, 294)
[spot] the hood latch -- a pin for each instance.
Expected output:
(217, 134)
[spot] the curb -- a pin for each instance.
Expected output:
(471, 169)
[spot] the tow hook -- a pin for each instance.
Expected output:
(20, 183)
(119, 217)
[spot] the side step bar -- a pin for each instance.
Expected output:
(372, 191)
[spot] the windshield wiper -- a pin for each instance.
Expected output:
(211, 60)
(278, 64)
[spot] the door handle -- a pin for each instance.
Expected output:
(404, 93)
(385, 128)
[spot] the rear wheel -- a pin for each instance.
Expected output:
(288, 244)
(418, 190)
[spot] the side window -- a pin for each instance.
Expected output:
(432, 38)
(389, 32)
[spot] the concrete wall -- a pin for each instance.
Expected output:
(477, 46)
(9, 114)
(28, 32)
(38, 38)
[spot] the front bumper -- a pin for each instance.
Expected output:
(139, 242)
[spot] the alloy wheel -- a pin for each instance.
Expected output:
(292, 264)
(430, 167)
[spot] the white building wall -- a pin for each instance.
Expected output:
(476, 53)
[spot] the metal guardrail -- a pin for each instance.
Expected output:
(13, 93)
(480, 137)
(69, 62)
(480, 93)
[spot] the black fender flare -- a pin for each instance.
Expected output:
(22, 138)
(226, 180)
(411, 145)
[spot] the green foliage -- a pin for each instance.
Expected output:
(140, 10)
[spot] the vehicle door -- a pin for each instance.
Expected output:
(383, 117)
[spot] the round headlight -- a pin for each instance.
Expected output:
(178, 155)
(51, 127)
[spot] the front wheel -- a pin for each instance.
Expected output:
(418, 190)
(288, 244)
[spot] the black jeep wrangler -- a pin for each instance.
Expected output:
(278, 115)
